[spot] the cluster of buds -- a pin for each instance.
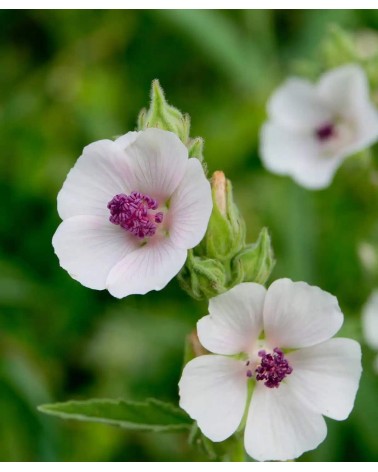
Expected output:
(223, 259)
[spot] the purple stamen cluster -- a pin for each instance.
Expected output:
(325, 132)
(273, 368)
(134, 213)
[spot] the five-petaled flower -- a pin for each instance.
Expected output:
(277, 343)
(312, 128)
(131, 209)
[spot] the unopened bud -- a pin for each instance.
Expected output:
(256, 261)
(225, 235)
(202, 277)
(164, 116)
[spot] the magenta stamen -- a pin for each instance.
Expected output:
(273, 368)
(325, 132)
(133, 213)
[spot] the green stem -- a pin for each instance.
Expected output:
(238, 452)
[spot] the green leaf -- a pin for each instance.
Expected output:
(150, 415)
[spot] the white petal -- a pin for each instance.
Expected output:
(148, 268)
(343, 89)
(346, 91)
(299, 315)
(297, 154)
(370, 320)
(89, 246)
(279, 427)
(366, 128)
(213, 391)
(326, 376)
(100, 173)
(296, 106)
(235, 320)
(124, 141)
(190, 207)
(158, 160)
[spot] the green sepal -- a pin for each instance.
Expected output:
(256, 261)
(164, 116)
(202, 277)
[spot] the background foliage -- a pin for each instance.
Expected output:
(69, 78)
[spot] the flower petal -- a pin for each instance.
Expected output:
(279, 427)
(346, 90)
(100, 173)
(299, 315)
(297, 154)
(148, 268)
(125, 140)
(235, 320)
(326, 376)
(370, 320)
(190, 208)
(158, 160)
(296, 106)
(89, 246)
(213, 391)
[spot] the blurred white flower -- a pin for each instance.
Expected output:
(277, 342)
(312, 128)
(131, 209)
(370, 324)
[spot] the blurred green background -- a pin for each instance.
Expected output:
(69, 78)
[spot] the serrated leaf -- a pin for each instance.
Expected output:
(150, 415)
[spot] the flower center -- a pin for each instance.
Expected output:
(273, 368)
(325, 132)
(135, 214)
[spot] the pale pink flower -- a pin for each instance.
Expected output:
(277, 343)
(131, 209)
(313, 127)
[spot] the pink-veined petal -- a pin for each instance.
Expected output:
(235, 320)
(100, 173)
(279, 427)
(150, 267)
(326, 376)
(299, 315)
(89, 246)
(213, 391)
(190, 207)
(158, 160)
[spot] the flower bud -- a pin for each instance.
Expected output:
(164, 116)
(202, 277)
(256, 261)
(225, 235)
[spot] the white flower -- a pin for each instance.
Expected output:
(312, 128)
(370, 324)
(277, 341)
(131, 209)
